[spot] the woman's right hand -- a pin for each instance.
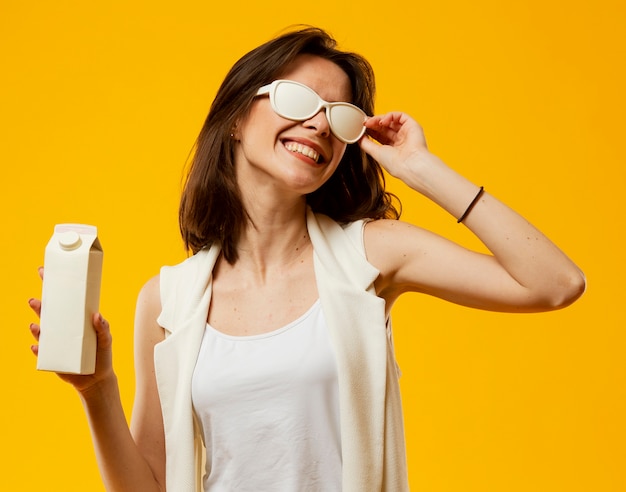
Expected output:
(104, 359)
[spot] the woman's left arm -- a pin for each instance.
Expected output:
(526, 271)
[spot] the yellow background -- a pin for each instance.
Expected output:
(101, 102)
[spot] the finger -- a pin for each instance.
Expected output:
(382, 136)
(103, 331)
(35, 305)
(394, 119)
(372, 122)
(35, 330)
(378, 152)
(40, 271)
(99, 323)
(385, 129)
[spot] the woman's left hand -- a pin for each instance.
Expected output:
(402, 143)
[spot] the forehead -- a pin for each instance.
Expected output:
(323, 76)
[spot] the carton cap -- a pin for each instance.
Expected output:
(69, 240)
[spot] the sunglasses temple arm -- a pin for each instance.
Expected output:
(263, 90)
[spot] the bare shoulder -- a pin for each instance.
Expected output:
(148, 310)
(389, 227)
(150, 292)
(388, 242)
(390, 246)
(410, 258)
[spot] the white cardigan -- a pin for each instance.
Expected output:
(372, 434)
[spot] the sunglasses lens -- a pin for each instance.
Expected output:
(346, 122)
(295, 102)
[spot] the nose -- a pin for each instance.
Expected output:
(319, 123)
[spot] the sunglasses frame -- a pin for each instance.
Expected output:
(270, 89)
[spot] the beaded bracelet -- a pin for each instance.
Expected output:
(471, 205)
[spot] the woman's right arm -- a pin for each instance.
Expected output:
(127, 461)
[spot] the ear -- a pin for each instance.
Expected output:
(234, 132)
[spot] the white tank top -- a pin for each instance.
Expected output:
(268, 406)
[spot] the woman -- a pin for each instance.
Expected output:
(265, 359)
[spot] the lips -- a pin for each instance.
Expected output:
(305, 150)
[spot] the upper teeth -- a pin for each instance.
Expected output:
(302, 149)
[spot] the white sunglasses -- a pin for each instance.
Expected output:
(297, 102)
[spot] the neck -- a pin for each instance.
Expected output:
(275, 236)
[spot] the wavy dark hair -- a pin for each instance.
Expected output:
(211, 208)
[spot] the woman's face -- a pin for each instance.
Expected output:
(286, 155)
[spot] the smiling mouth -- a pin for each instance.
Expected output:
(298, 148)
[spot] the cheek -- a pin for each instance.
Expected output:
(339, 150)
(256, 124)
(262, 129)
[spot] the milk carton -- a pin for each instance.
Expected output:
(70, 297)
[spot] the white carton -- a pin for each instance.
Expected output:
(70, 297)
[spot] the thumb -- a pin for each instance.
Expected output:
(371, 147)
(103, 331)
(378, 151)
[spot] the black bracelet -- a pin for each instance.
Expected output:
(471, 205)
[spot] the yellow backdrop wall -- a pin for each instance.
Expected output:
(101, 103)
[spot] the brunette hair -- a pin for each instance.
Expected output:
(211, 208)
